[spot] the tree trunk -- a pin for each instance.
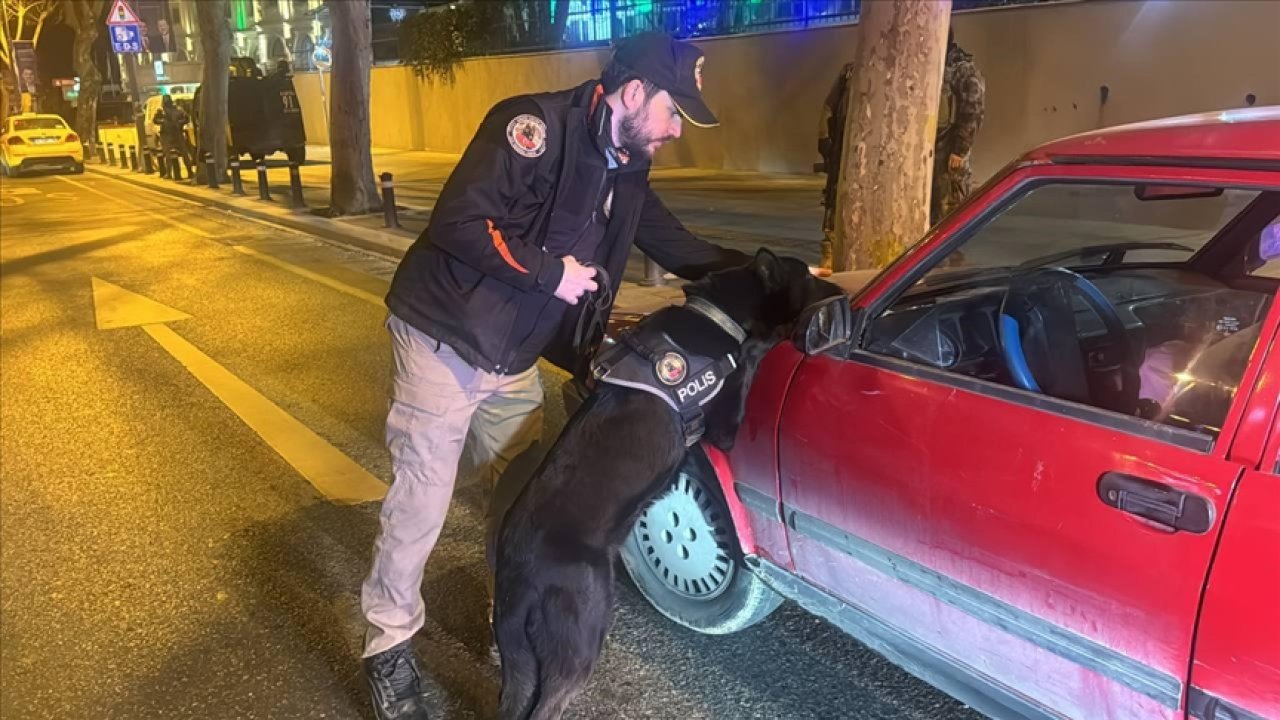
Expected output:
(352, 189)
(892, 118)
(215, 42)
(561, 20)
(85, 17)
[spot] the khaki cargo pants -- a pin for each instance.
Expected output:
(436, 399)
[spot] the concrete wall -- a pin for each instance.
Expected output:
(1043, 64)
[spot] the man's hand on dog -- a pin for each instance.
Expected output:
(576, 281)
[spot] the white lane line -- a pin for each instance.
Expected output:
(312, 275)
(150, 213)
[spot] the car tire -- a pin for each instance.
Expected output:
(77, 169)
(683, 556)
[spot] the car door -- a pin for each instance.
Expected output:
(978, 522)
(1236, 668)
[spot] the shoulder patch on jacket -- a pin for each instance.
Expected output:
(527, 135)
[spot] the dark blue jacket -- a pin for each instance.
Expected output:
(482, 276)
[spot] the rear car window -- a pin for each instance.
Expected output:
(20, 124)
(1267, 258)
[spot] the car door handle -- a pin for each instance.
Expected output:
(1156, 502)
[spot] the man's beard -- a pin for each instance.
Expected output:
(633, 138)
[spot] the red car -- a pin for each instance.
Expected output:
(1037, 462)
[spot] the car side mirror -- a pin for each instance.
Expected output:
(826, 327)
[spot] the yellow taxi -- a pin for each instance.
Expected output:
(31, 141)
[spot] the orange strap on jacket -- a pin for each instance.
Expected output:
(500, 243)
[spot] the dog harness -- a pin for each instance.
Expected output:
(646, 358)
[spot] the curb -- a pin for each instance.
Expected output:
(387, 244)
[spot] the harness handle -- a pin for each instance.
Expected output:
(594, 318)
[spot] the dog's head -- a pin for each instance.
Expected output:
(765, 297)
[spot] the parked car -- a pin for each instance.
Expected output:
(1041, 468)
(32, 141)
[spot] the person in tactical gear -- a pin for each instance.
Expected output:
(960, 114)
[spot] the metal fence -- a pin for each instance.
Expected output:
(521, 26)
(599, 22)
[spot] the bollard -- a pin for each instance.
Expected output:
(389, 217)
(237, 188)
(296, 201)
(111, 153)
(264, 192)
(102, 153)
(124, 157)
(175, 166)
(162, 164)
(652, 274)
(147, 167)
(133, 158)
(211, 169)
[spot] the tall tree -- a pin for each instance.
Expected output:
(86, 18)
(23, 21)
(892, 117)
(352, 189)
(213, 19)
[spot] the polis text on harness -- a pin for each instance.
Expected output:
(646, 358)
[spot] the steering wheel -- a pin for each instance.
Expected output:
(1041, 347)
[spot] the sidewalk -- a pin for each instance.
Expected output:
(739, 210)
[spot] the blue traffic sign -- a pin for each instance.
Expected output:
(125, 38)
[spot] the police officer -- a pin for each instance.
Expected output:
(552, 186)
(960, 114)
(172, 121)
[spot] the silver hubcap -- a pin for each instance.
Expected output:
(684, 537)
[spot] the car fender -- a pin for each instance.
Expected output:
(717, 462)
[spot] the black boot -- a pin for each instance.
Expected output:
(395, 684)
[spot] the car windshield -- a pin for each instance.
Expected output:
(40, 123)
(1082, 225)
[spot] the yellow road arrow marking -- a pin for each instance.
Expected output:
(328, 469)
(114, 307)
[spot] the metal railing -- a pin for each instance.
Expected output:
(599, 22)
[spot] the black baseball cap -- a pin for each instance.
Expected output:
(673, 66)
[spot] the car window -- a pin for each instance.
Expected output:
(1080, 224)
(20, 124)
(1082, 293)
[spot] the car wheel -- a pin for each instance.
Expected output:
(683, 555)
(77, 169)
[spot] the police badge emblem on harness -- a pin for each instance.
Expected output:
(647, 358)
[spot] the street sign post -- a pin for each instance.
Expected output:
(124, 27)
(126, 39)
(122, 14)
(323, 60)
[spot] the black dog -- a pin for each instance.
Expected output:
(557, 544)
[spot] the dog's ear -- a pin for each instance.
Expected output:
(769, 267)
